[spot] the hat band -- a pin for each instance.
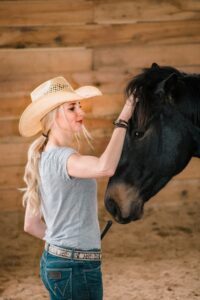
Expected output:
(57, 87)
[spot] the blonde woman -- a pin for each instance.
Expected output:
(61, 193)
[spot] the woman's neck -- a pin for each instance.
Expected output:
(60, 140)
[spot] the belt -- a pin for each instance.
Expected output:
(72, 253)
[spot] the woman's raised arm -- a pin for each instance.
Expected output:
(85, 166)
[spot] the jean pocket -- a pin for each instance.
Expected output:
(93, 274)
(92, 265)
(59, 282)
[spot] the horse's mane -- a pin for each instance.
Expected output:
(143, 87)
(191, 109)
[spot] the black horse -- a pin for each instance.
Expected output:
(163, 135)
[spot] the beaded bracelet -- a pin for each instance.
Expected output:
(120, 123)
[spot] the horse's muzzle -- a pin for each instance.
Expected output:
(123, 203)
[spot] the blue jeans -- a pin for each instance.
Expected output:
(69, 279)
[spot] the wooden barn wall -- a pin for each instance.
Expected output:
(100, 42)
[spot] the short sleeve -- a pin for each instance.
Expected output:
(59, 160)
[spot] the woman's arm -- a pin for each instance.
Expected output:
(84, 166)
(34, 224)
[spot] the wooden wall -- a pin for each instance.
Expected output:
(100, 42)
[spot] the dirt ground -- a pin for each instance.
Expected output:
(156, 258)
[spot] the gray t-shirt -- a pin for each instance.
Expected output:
(68, 204)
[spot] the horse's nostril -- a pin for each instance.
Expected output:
(111, 205)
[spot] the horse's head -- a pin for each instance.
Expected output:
(162, 136)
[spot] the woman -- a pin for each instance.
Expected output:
(60, 197)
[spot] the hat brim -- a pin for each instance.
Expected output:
(30, 120)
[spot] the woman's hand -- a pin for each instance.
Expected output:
(128, 109)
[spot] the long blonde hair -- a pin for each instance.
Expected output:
(31, 174)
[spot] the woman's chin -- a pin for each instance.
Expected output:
(78, 128)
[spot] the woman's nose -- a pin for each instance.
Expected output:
(81, 112)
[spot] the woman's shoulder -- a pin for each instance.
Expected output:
(57, 154)
(58, 149)
(54, 159)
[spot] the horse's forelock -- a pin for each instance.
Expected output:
(142, 87)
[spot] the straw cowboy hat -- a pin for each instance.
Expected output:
(46, 97)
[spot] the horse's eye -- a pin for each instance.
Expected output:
(138, 134)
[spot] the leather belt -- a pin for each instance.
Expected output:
(72, 253)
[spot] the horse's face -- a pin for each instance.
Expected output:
(151, 156)
(149, 159)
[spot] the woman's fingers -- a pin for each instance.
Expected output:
(132, 100)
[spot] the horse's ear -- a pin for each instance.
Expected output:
(155, 66)
(166, 87)
(170, 83)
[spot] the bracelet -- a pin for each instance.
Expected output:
(120, 123)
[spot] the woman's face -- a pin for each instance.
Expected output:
(70, 116)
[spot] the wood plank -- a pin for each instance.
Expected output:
(13, 154)
(44, 12)
(190, 69)
(11, 107)
(15, 139)
(27, 13)
(10, 200)
(57, 60)
(96, 35)
(9, 126)
(21, 85)
(128, 57)
(11, 177)
(112, 11)
(17, 87)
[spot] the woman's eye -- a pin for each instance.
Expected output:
(73, 108)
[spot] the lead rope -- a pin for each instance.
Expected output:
(106, 228)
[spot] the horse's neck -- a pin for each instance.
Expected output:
(191, 108)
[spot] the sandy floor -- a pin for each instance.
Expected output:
(156, 258)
